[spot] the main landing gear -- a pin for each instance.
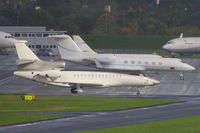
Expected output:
(76, 89)
(138, 91)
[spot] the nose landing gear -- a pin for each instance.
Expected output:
(181, 76)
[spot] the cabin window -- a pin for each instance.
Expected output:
(132, 62)
(160, 63)
(153, 63)
(125, 61)
(139, 62)
(146, 63)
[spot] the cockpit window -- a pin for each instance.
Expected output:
(170, 42)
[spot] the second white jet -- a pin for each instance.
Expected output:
(70, 51)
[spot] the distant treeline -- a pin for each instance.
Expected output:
(170, 17)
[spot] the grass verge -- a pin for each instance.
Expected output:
(179, 125)
(64, 104)
(13, 118)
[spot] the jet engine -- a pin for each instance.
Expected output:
(106, 60)
(102, 59)
(53, 74)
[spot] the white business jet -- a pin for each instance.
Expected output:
(183, 45)
(31, 67)
(6, 40)
(71, 52)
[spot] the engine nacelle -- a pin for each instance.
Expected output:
(59, 65)
(103, 59)
(51, 74)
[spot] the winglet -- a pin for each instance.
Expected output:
(181, 36)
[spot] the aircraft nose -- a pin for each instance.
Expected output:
(189, 67)
(153, 82)
(166, 47)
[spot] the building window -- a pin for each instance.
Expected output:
(38, 46)
(17, 35)
(33, 46)
(45, 35)
(24, 35)
(38, 35)
(54, 46)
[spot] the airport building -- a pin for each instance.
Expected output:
(37, 37)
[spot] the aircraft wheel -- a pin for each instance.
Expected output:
(74, 91)
(181, 78)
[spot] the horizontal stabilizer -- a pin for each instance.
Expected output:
(21, 62)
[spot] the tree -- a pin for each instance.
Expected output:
(104, 24)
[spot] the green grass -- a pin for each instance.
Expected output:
(179, 125)
(17, 93)
(64, 104)
(126, 41)
(13, 118)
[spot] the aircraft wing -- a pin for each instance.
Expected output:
(131, 68)
(72, 84)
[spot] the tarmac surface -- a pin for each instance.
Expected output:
(170, 87)
(170, 82)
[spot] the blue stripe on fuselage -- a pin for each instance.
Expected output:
(65, 48)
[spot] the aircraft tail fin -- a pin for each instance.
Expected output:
(23, 52)
(82, 44)
(66, 46)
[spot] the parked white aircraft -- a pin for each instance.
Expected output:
(6, 40)
(183, 45)
(31, 67)
(71, 52)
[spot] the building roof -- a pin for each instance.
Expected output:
(30, 29)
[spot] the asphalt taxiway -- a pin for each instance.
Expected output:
(98, 120)
(170, 82)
